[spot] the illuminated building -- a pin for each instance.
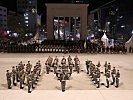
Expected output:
(3, 17)
(28, 8)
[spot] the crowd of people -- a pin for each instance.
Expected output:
(95, 73)
(116, 49)
(60, 46)
(27, 75)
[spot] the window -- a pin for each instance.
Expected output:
(67, 28)
(26, 14)
(26, 17)
(26, 21)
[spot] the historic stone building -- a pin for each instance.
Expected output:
(67, 21)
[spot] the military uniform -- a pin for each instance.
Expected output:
(39, 68)
(69, 59)
(98, 78)
(107, 78)
(71, 67)
(36, 76)
(77, 66)
(117, 78)
(63, 82)
(56, 60)
(113, 73)
(94, 79)
(14, 75)
(22, 79)
(106, 67)
(17, 74)
(8, 75)
(76, 58)
(55, 67)
(91, 70)
(49, 60)
(109, 67)
(47, 67)
(29, 81)
(28, 67)
(88, 66)
(63, 61)
(58, 74)
(33, 79)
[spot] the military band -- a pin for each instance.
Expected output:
(29, 75)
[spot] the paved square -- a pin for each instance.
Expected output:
(78, 87)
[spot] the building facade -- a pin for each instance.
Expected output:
(3, 18)
(28, 8)
(67, 21)
(113, 19)
(14, 19)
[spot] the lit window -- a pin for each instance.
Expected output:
(26, 21)
(26, 14)
(121, 16)
(122, 26)
(26, 17)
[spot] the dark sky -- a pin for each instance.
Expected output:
(11, 4)
(93, 4)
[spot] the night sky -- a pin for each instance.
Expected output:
(93, 4)
(11, 4)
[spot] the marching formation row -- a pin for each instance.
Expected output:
(25, 74)
(29, 76)
(94, 72)
(63, 69)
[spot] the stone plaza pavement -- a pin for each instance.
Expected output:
(79, 87)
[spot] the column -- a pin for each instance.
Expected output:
(74, 28)
(58, 27)
(64, 27)
(69, 25)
